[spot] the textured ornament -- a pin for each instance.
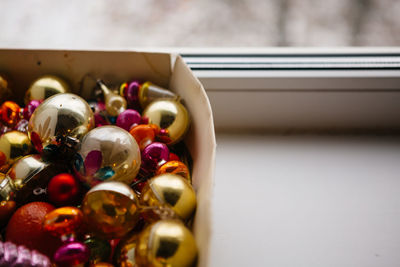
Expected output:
(30, 108)
(154, 155)
(44, 87)
(172, 190)
(171, 117)
(144, 134)
(107, 153)
(63, 189)
(166, 243)
(58, 119)
(149, 92)
(22, 126)
(63, 222)
(115, 104)
(100, 249)
(20, 256)
(174, 167)
(110, 209)
(14, 145)
(10, 113)
(71, 254)
(128, 118)
(30, 176)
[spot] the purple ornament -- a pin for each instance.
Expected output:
(154, 155)
(71, 254)
(22, 126)
(12, 255)
(131, 94)
(128, 118)
(30, 108)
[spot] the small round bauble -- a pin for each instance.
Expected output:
(63, 189)
(14, 145)
(58, 118)
(44, 87)
(172, 118)
(107, 153)
(166, 243)
(171, 190)
(110, 209)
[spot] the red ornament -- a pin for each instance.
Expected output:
(63, 189)
(173, 157)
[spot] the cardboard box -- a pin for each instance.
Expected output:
(167, 70)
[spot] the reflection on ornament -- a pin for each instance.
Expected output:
(171, 117)
(110, 209)
(10, 113)
(107, 153)
(175, 167)
(71, 254)
(166, 243)
(172, 190)
(63, 222)
(13, 145)
(44, 87)
(128, 118)
(58, 118)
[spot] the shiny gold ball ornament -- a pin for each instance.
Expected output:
(110, 209)
(166, 243)
(172, 118)
(44, 87)
(14, 145)
(58, 118)
(107, 153)
(171, 190)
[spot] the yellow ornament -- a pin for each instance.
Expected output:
(44, 87)
(171, 190)
(172, 118)
(166, 243)
(110, 209)
(14, 145)
(59, 117)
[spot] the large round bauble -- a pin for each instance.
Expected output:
(107, 153)
(59, 117)
(172, 118)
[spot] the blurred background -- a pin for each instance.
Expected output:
(206, 23)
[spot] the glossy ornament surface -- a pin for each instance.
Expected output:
(171, 117)
(110, 209)
(154, 155)
(30, 176)
(131, 93)
(60, 117)
(124, 255)
(63, 221)
(144, 134)
(115, 104)
(30, 108)
(107, 153)
(10, 113)
(44, 87)
(71, 254)
(149, 92)
(63, 189)
(172, 190)
(174, 167)
(14, 145)
(166, 243)
(100, 249)
(128, 118)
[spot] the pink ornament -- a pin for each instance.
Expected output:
(30, 108)
(128, 118)
(71, 254)
(131, 94)
(154, 155)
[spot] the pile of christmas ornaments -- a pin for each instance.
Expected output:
(98, 183)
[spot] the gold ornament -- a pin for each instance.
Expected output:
(149, 92)
(110, 209)
(166, 243)
(44, 87)
(172, 118)
(107, 153)
(172, 190)
(124, 255)
(5, 91)
(115, 104)
(14, 145)
(59, 117)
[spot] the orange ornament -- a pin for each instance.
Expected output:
(10, 113)
(63, 221)
(144, 134)
(174, 167)
(25, 228)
